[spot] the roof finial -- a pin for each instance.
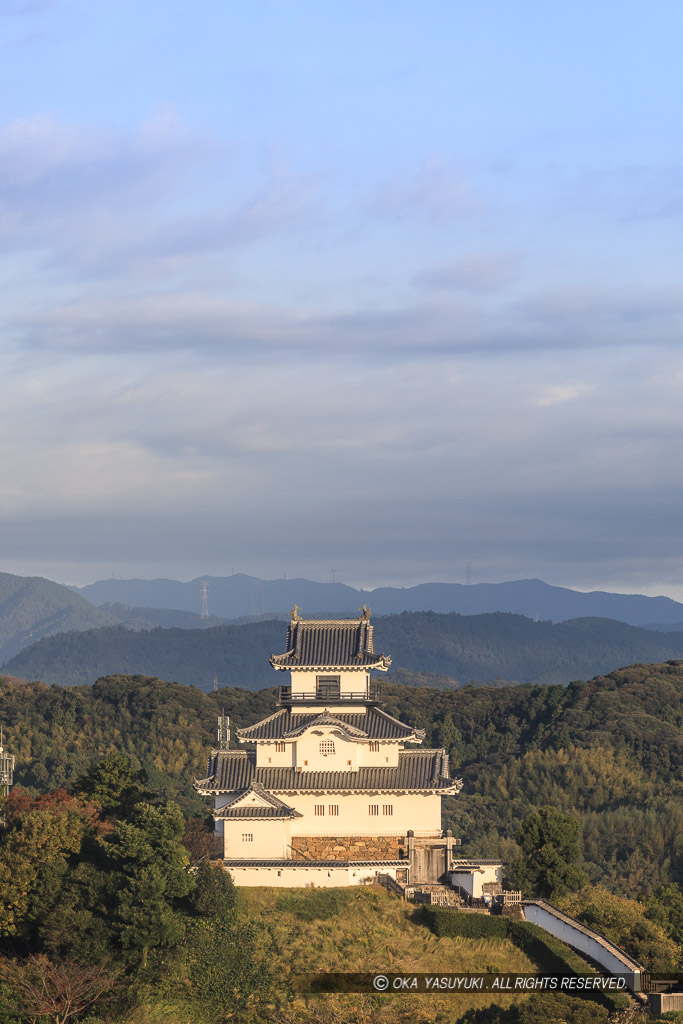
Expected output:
(366, 612)
(294, 613)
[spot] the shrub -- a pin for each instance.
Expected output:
(455, 923)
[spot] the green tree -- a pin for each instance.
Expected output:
(214, 892)
(550, 843)
(151, 878)
(114, 785)
(665, 907)
(624, 921)
(227, 973)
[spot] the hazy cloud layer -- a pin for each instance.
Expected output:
(335, 319)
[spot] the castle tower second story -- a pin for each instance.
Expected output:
(329, 661)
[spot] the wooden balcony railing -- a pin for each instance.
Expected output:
(328, 696)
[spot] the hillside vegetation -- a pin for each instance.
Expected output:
(609, 751)
(451, 649)
(32, 607)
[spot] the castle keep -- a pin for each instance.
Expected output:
(334, 791)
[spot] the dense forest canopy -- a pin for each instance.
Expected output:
(609, 751)
(446, 650)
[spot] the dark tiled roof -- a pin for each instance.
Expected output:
(314, 863)
(417, 770)
(229, 770)
(330, 643)
(250, 812)
(466, 865)
(275, 809)
(256, 812)
(375, 724)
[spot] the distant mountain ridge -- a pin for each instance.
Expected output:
(232, 597)
(495, 647)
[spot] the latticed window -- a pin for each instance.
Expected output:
(319, 809)
(374, 747)
(333, 809)
(247, 837)
(388, 809)
(280, 748)
(326, 747)
(373, 809)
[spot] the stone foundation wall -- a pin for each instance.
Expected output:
(348, 847)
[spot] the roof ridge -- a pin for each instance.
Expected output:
(280, 711)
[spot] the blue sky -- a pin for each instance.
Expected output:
(373, 288)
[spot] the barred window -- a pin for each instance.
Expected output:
(333, 809)
(326, 747)
(319, 809)
(388, 809)
(373, 809)
(374, 747)
(280, 748)
(247, 837)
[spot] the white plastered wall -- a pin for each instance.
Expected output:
(418, 811)
(350, 680)
(305, 877)
(472, 880)
(271, 838)
(304, 752)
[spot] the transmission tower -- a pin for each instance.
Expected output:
(205, 599)
(215, 683)
(6, 773)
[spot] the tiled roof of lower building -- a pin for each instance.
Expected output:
(300, 864)
(473, 863)
(418, 770)
(275, 808)
(256, 812)
(374, 724)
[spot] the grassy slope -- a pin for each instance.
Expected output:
(371, 931)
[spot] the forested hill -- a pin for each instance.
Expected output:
(609, 751)
(32, 607)
(457, 648)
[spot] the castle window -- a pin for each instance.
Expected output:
(247, 837)
(327, 687)
(373, 809)
(326, 747)
(333, 809)
(319, 809)
(374, 747)
(388, 809)
(280, 748)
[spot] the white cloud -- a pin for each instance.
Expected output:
(557, 394)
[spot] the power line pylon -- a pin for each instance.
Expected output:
(6, 773)
(205, 599)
